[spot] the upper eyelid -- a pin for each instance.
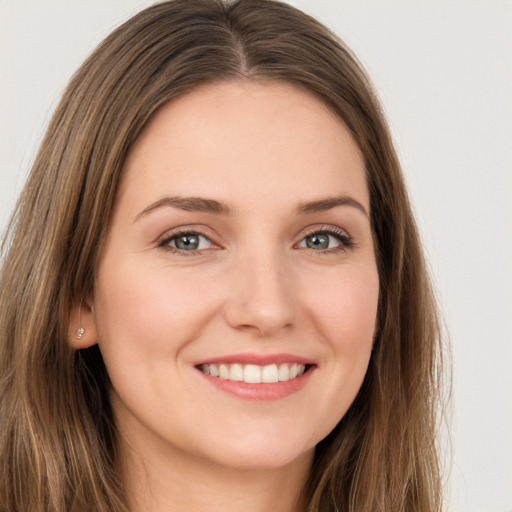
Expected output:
(185, 230)
(212, 236)
(163, 243)
(323, 228)
(178, 234)
(343, 236)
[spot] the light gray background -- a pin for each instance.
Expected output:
(443, 71)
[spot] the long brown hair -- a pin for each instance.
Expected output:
(57, 439)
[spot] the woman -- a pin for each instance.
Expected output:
(213, 294)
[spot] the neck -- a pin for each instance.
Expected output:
(164, 484)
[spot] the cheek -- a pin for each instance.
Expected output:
(343, 310)
(149, 311)
(346, 309)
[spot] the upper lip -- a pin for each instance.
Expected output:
(257, 359)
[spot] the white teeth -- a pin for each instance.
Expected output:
(223, 372)
(236, 372)
(254, 374)
(284, 372)
(270, 374)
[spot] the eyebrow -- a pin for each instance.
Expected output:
(325, 204)
(189, 204)
(200, 204)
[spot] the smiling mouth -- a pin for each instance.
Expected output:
(254, 374)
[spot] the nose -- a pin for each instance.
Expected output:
(262, 299)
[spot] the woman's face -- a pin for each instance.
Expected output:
(241, 246)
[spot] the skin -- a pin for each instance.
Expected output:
(253, 286)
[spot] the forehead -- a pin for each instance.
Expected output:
(271, 136)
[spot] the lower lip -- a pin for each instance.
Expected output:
(261, 392)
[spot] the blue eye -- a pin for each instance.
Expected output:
(187, 242)
(325, 241)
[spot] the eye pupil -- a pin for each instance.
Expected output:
(317, 241)
(187, 242)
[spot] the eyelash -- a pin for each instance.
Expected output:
(163, 244)
(346, 242)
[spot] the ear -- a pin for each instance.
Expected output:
(82, 332)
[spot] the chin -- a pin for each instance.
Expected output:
(266, 460)
(260, 452)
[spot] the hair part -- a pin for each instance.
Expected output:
(58, 439)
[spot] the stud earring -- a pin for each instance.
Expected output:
(80, 331)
